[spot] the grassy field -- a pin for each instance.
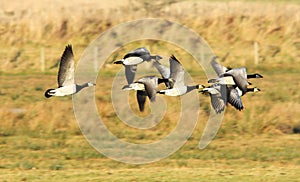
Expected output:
(254, 145)
(40, 139)
(70, 158)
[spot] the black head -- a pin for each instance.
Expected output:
(48, 93)
(161, 92)
(256, 89)
(258, 75)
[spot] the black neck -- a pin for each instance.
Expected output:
(250, 89)
(190, 88)
(254, 76)
(156, 57)
(152, 57)
(162, 80)
(251, 76)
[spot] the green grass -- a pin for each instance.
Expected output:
(248, 158)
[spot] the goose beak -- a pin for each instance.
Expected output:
(259, 76)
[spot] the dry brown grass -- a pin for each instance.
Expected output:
(227, 26)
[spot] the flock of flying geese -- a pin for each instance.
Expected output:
(228, 87)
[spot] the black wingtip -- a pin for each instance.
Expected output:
(174, 58)
(67, 52)
(141, 108)
(69, 48)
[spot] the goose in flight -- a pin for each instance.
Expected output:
(217, 95)
(226, 90)
(235, 76)
(176, 80)
(132, 59)
(66, 83)
(220, 95)
(145, 87)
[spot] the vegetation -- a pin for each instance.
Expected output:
(40, 139)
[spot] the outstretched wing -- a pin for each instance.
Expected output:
(137, 53)
(234, 99)
(163, 70)
(240, 77)
(218, 99)
(150, 83)
(66, 68)
(177, 72)
(141, 98)
(217, 103)
(140, 50)
(130, 71)
(219, 69)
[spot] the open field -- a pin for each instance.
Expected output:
(70, 158)
(40, 139)
(256, 144)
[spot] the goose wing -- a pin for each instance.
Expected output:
(240, 77)
(66, 68)
(130, 71)
(219, 99)
(163, 70)
(137, 53)
(219, 69)
(141, 98)
(140, 50)
(150, 83)
(217, 103)
(234, 99)
(177, 72)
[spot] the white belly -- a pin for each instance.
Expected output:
(66, 90)
(133, 60)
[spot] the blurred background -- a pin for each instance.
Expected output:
(38, 134)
